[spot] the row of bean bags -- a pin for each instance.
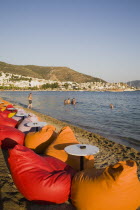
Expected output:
(94, 189)
(9, 135)
(4, 109)
(40, 179)
(114, 188)
(5, 104)
(47, 179)
(46, 141)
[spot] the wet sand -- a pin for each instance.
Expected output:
(110, 153)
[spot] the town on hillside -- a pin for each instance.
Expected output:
(17, 82)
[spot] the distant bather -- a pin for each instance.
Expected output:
(65, 101)
(68, 101)
(73, 101)
(111, 106)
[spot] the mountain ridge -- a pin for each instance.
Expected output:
(61, 74)
(134, 83)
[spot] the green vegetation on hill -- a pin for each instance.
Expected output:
(49, 73)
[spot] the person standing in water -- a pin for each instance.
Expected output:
(73, 101)
(30, 98)
(111, 106)
(68, 101)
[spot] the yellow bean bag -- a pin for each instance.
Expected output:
(11, 114)
(65, 138)
(39, 141)
(114, 188)
(2, 109)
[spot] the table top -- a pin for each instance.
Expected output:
(81, 149)
(21, 115)
(12, 108)
(36, 124)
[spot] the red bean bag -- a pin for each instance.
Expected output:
(9, 106)
(7, 113)
(11, 111)
(4, 113)
(40, 179)
(9, 137)
(8, 121)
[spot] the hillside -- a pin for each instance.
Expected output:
(134, 83)
(49, 73)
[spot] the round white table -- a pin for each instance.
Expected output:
(36, 124)
(81, 150)
(11, 109)
(21, 115)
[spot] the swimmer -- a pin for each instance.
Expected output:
(65, 101)
(111, 106)
(68, 101)
(73, 101)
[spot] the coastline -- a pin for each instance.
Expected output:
(98, 90)
(109, 153)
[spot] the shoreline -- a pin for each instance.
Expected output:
(109, 153)
(117, 90)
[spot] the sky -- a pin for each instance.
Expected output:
(100, 38)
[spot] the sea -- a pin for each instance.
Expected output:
(91, 112)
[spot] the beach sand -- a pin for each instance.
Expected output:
(110, 153)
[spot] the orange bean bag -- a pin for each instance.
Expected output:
(39, 141)
(2, 106)
(5, 102)
(114, 188)
(65, 138)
